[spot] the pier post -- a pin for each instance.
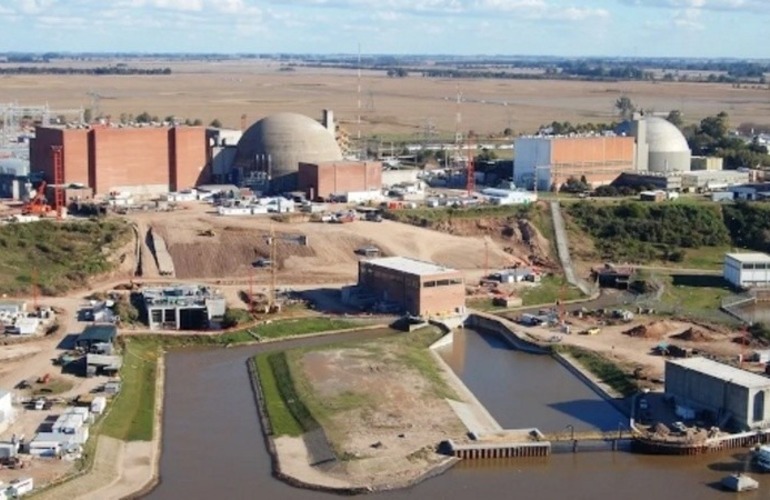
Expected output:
(575, 446)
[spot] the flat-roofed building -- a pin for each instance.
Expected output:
(730, 395)
(747, 270)
(419, 288)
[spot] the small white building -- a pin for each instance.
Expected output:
(509, 197)
(6, 410)
(98, 405)
(747, 270)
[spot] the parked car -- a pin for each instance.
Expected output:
(679, 426)
(262, 263)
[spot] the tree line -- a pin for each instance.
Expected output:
(101, 70)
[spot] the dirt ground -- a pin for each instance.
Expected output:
(404, 106)
(632, 344)
(329, 258)
(389, 417)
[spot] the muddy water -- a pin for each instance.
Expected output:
(757, 313)
(213, 448)
(523, 390)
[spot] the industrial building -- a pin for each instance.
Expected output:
(182, 307)
(270, 151)
(339, 179)
(95, 336)
(707, 163)
(418, 288)
(6, 410)
(654, 147)
(134, 160)
(731, 397)
(553, 160)
(747, 270)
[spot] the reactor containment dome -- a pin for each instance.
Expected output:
(661, 146)
(276, 144)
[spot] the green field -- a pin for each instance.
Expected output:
(550, 289)
(132, 414)
(56, 257)
(277, 391)
(303, 326)
(606, 370)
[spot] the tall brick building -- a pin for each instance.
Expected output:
(420, 288)
(145, 160)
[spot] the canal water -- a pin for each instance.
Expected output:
(756, 313)
(213, 448)
(523, 390)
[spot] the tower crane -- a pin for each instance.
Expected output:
(272, 241)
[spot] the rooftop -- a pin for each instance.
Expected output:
(410, 266)
(750, 257)
(722, 371)
(98, 333)
(181, 295)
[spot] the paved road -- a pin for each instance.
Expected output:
(675, 270)
(562, 245)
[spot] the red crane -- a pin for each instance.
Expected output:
(37, 204)
(58, 179)
(470, 182)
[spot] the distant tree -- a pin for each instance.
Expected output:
(215, 123)
(574, 185)
(169, 119)
(397, 73)
(88, 115)
(143, 117)
(197, 122)
(486, 154)
(625, 107)
(675, 117)
(508, 132)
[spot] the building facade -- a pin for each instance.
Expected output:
(135, 160)
(419, 288)
(337, 178)
(730, 395)
(548, 161)
(6, 410)
(747, 270)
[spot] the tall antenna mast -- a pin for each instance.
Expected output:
(458, 125)
(358, 119)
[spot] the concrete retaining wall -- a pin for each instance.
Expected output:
(500, 327)
(614, 399)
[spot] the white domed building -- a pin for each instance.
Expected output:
(660, 146)
(270, 151)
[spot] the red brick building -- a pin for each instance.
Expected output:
(146, 160)
(420, 288)
(323, 180)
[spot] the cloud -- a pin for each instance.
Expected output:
(715, 5)
(34, 6)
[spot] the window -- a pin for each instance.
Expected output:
(429, 284)
(748, 267)
(759, 406)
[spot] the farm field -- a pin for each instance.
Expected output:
(401, 108)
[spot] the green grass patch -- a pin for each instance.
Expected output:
(548, 291)
(57, 256)
(694, 293)
(281, 418)
(428, 217)
(132, 415)
(302, 326)
(604, 369)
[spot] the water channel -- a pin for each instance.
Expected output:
(756, 313)
(213, 445)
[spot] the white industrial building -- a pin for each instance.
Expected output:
(714, 179)
(732, 396)
(509, 197)
(6, 410)
(747, 270)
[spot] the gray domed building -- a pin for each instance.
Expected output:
(270, 151)
(660, 146)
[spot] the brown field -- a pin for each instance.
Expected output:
(390, 107)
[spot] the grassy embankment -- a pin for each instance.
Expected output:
(294, 407)
(546, 293)
(131, 417)
(57, 256)
(604, 369)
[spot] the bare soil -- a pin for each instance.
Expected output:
(389, 418)
(330, 255)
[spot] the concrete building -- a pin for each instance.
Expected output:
(553, 160)
(660, 146)
(335, 179)
(93, 335)
(509, 197)
(135, 160)
(270, 151)
(709, 180)
(182, 307)
(706, 163)
(733, 397)
(419, 288)
(6, 410)
(747, 270)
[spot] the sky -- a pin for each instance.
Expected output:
(629, 28)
